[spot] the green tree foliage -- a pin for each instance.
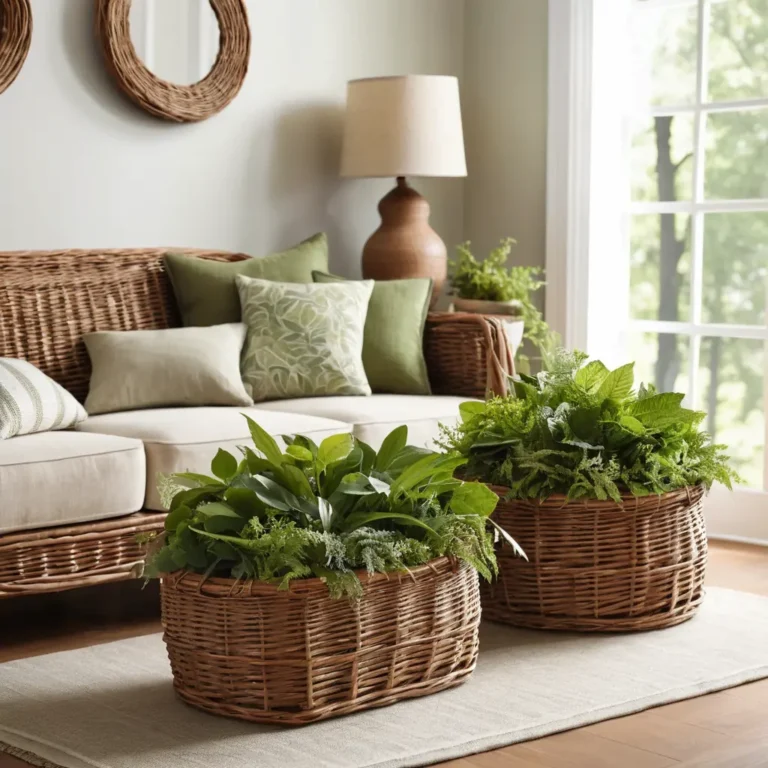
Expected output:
(735, 275)
(324, 511)
(582, 431)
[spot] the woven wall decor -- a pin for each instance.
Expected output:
(180, 103)
(15, 37)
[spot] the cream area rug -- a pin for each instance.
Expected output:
(112, 706)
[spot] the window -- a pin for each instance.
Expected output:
(668, 100)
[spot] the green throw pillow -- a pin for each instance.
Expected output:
(303, 340)
(393, 345)
(205, 290)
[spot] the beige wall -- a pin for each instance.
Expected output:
(505, 113)
(82, 167)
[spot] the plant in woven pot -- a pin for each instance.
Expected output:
(602, 486)
(313, 581)
(491, 287)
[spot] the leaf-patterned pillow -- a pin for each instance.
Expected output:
(303, 340)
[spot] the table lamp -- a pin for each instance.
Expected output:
(404, 126)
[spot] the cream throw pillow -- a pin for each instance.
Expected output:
(303, 340)
(31, 402)
(174, 366)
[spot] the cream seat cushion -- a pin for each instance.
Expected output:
(374, 417)
(58, 478)
(187, 439)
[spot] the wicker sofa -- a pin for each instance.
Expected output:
(72, 503)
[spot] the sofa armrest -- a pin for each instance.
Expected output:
(468, 355)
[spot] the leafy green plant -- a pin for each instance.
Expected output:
(324, 511)
(492, 280)
(582, 430)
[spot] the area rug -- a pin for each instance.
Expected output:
(112, 705)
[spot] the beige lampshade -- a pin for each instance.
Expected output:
(403, 126)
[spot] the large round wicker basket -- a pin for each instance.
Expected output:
(291, 657)
(597, 566)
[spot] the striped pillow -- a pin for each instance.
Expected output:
(30, 401)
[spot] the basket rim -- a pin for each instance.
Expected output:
(218, 586)
(692, 493)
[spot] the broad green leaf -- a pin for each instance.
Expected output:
(217, 509)
(197, 479)
(356, 521)
(591, 376)
(369, 457)
(272, 494)
(297, 481)
(470, 409)
(265, 443)
(302, 442)
(335, 448)
(299, 452)
(378, 485)
(473, 499)
(224, 465)
(391, 446)
(179, 514)
(256, 464)
(617, 385)
(408, 456)
(244, 501)
(632, 424)
(523, 390)
(425, 468)
(658, 410)
(194, 496)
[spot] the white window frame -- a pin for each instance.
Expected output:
(587, 240)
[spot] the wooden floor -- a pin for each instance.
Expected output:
(722, 730)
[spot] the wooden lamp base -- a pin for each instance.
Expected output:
(405, 245)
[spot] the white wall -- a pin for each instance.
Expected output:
(505, 116)
(80, 166)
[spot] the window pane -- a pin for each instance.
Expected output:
(660, 262)
(735, 268)
(731, 387)
(660, 359)
(736, 155)
(664, 55)
(738, 49)
(662, 159)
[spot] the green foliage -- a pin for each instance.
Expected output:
(582, 431)
(323, 511)
(492, 280)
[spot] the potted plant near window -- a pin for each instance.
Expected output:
(602, 486)
(491, 287)
(315, 581)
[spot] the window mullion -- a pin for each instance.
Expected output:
(697, 222)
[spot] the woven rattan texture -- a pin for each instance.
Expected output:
(179, 103)
(293, 657)
(49, 299)
(467, 355)
(15, 38)
(56, 559)
(597, 566)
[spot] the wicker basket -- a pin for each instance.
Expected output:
(596, 566)
(468, 355)
(292, 657)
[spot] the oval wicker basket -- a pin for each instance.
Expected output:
(295, 656)
(596, 566)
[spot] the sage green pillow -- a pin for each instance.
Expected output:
(393, 344)
(205, 290)
(303, 340)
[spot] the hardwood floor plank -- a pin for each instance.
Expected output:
(652, 731)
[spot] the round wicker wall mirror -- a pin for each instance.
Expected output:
(15, 37)
(180, 60)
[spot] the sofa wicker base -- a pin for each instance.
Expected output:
(66, 557)
(290, 657)
(595, 566)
